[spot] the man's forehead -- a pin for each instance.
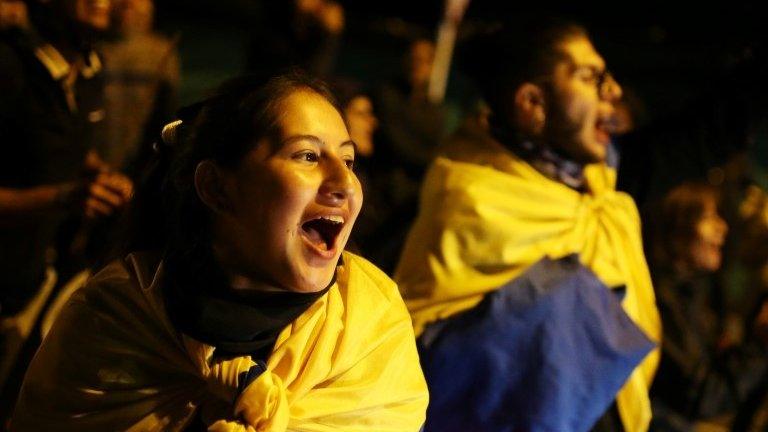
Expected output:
(583, 53)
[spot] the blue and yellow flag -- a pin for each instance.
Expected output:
(486, 216)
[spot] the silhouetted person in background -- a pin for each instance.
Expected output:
(411, 125)
(688, 234)
(304, 33)
(50, 114)
(141, 84)
(362, 122)
(411, 128)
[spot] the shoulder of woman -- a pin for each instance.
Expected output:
(375, 310)
(365, 275)
(129, 281)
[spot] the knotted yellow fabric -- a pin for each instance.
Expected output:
(486, 216)
(114, 361)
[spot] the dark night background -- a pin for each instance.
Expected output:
(668, 53)
(696, 70)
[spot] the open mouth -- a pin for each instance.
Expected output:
(323, 231)
(603, 130)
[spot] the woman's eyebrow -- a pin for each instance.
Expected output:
(315, 140)
(294, 138)
(349, 143)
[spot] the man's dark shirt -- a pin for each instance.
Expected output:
(44, 137)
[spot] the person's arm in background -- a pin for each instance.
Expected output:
(98, 196)
(17, 203)
(106, 190)
(446, 39)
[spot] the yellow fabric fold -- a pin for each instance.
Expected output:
(113, 361)
(485, 216)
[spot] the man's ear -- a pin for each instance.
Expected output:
(529, 108)
(211, 184)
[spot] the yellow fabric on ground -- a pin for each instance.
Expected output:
(113, 361)
(485, 216)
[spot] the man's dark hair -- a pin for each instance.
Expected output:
(500, 61)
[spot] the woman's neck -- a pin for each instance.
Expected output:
(244, 285)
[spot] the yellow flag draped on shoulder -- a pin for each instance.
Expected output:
(485, 216)
(114, 361)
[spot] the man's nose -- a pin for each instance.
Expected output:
(611, 90)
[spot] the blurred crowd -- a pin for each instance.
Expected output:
(86, 86)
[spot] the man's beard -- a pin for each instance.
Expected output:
(563, 135)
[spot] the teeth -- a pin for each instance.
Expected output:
(333, 218)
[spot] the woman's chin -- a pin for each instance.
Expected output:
(313, 280)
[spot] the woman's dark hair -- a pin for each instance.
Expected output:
(676, 218)
(167, 214)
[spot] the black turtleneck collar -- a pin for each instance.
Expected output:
(235, 324)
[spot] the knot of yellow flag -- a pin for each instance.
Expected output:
(262, 406)
(223, 377)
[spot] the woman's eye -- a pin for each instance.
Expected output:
(350, 163)
(307, 156)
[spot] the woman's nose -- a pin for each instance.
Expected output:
(339, 182)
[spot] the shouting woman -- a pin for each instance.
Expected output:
(241, 312)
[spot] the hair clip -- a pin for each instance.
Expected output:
(170, 133)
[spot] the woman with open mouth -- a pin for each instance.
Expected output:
(238, 309)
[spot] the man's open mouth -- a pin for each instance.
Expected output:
(323, 231)
(603, 129)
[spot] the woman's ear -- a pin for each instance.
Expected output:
(529, 109)
(211, 185)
